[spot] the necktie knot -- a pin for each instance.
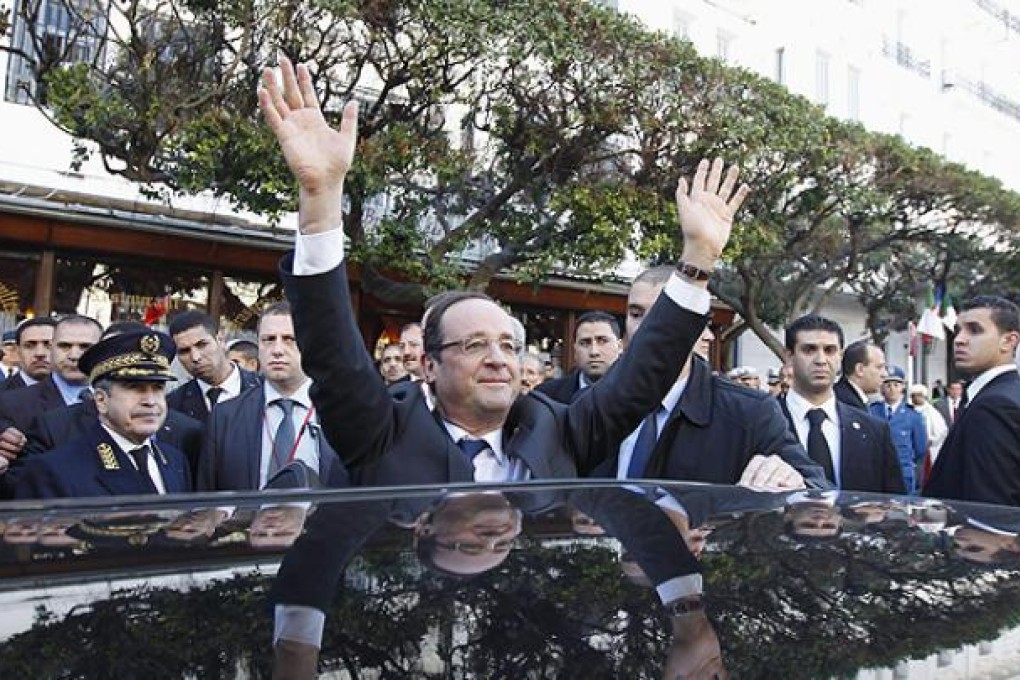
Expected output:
(816, 417)
(141, 457)
(286, 405)
(214, 394)
(472, 447)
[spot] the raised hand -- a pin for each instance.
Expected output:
(706, 210)
(318, 155)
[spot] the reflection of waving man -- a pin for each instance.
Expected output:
(485, 430)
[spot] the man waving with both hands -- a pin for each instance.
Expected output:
(486, 431)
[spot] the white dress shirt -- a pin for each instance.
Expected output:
(126, 445)
(323, 252)
(307, 444)
(492, 464)
(985, 378)
(667, 405)
(231, 387)
(799, 407)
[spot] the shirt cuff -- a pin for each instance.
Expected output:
(687, 295)
(298, 624)
(319, 253)
(676, 588)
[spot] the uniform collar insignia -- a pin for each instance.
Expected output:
(107, 456)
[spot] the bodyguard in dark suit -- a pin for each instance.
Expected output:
(951, 406)
(863, 369)
(65, 385)
(715, 430)
(853, 448)
(708, 429)
(249, 440)
(980, 459)
(482, 429)
(118, 455)
(33, 338)
(214, 377)
(72, 336)
(597, 346)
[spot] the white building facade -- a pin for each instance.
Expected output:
(944, 74)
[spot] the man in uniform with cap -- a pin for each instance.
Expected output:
(118, 455)
(9, 363)
(909, 434)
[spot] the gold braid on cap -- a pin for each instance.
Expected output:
(128, 364)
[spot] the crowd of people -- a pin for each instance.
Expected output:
(457, 399)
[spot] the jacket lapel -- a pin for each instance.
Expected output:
(114, 471)
(852, 436)
(174, 479)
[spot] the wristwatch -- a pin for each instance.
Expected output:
(685, 606)
(692, 272)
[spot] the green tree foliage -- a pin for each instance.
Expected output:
(530, 136)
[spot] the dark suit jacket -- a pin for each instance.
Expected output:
(336, 532)
(980, 459)
(233, 447)
(189, 400)
(846, 394)
(562, 389)
(58, 426)
(18, 408)
(868, 460)
(715, 430)
(942, 406)
(15, 382)
(77, 469)
(391, 437)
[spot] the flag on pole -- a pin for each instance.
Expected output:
(948, 313)
(930, 323)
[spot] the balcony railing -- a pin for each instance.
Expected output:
(1010, 21)
(905, 57)
(991, 97)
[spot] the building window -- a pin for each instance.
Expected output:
(781, 65)
(681, 24)
(47, 33)
(853, 93)
(822, 77)
(723, 43)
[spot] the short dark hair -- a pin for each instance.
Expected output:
(1005, 314)
(77, 320)
(854, 354)
(29, 323)
(248, 348)
(655, 276)
(598, 317)
(811, 322)
(432, 338)
(121, 327)
(278, 308)
(193, 318)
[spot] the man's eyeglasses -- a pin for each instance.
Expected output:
(477, 346)
(473, 549)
